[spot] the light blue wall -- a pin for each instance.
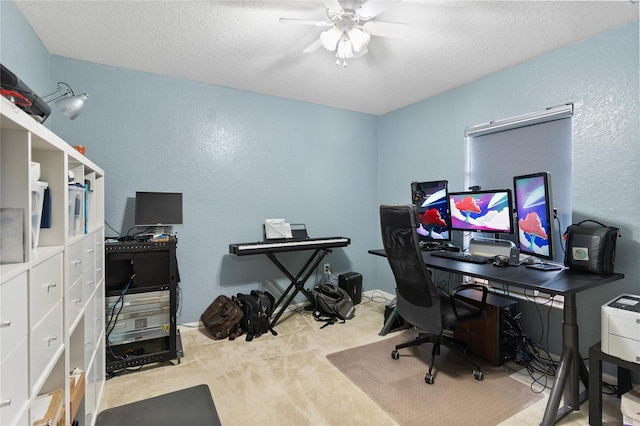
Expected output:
(29, 59)
(238, 157)
(600, 76)
(241, 157)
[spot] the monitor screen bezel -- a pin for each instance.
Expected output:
(521, 212)
(169, 217)
(417, 197)
(472, 228)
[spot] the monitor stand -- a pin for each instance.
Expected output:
(489, 247)
(159, 230)
(155, 232)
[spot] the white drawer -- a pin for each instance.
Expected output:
(14, 389)
(100, 308)
(46, 338)
(45, 288)
(624, 326)
(90, 390)
(13, 314)
(75, 261)
(99, 262)
(99, 248)
(88, 285)
(75, 302)
(624, 348)
(99, 272)
(88, 251)
(100, 368)
(89, 331)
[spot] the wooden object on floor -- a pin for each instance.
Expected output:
(76, 392)
(48, 409)
(484, 337)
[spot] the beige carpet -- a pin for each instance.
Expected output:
(273, 380)
(398, 386)
(288, 380)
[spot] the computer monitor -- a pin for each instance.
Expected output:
(430, 199)
(534, 213)
(482, 211)
(158, 209)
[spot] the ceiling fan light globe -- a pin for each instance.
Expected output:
(359, 39)
(345, 50)
(329, 39)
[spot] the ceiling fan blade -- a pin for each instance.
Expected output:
(333, 5)
(373, 8)
(313, 47)
(305, 22)
(385, 29)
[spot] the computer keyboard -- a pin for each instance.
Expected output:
(463, 257)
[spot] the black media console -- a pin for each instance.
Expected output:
(141, 280)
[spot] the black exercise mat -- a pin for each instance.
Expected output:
(191, 406)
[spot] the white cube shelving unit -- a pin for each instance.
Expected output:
(51, 302)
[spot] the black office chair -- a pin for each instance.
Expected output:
(418, 300)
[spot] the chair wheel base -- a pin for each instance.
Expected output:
(478, 375)
(395, 354)
(428, 378)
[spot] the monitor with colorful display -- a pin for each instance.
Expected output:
(482, 211)
(534, 214)
(433, 211)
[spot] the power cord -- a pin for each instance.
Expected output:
(113, 320)
(536, 359)
(112, 228)
(560, 235)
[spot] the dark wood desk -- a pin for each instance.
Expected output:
(566, 283)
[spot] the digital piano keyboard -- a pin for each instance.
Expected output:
(243, 249)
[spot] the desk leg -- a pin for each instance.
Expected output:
(570, 340)
(569, 371)
(551, 411)
(624, 381)
(595, 387)
(390, 320)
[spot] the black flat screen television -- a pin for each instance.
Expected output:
(534, 213)
(482, 211)
(158, 209)
(430, 198)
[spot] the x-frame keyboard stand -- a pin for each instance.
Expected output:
(320, 246)
(297, 281)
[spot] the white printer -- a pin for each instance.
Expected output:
(621, 327)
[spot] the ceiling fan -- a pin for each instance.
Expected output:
(351, 27)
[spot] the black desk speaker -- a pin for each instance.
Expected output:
(351, 282)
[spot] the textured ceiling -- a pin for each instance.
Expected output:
(242, 45)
